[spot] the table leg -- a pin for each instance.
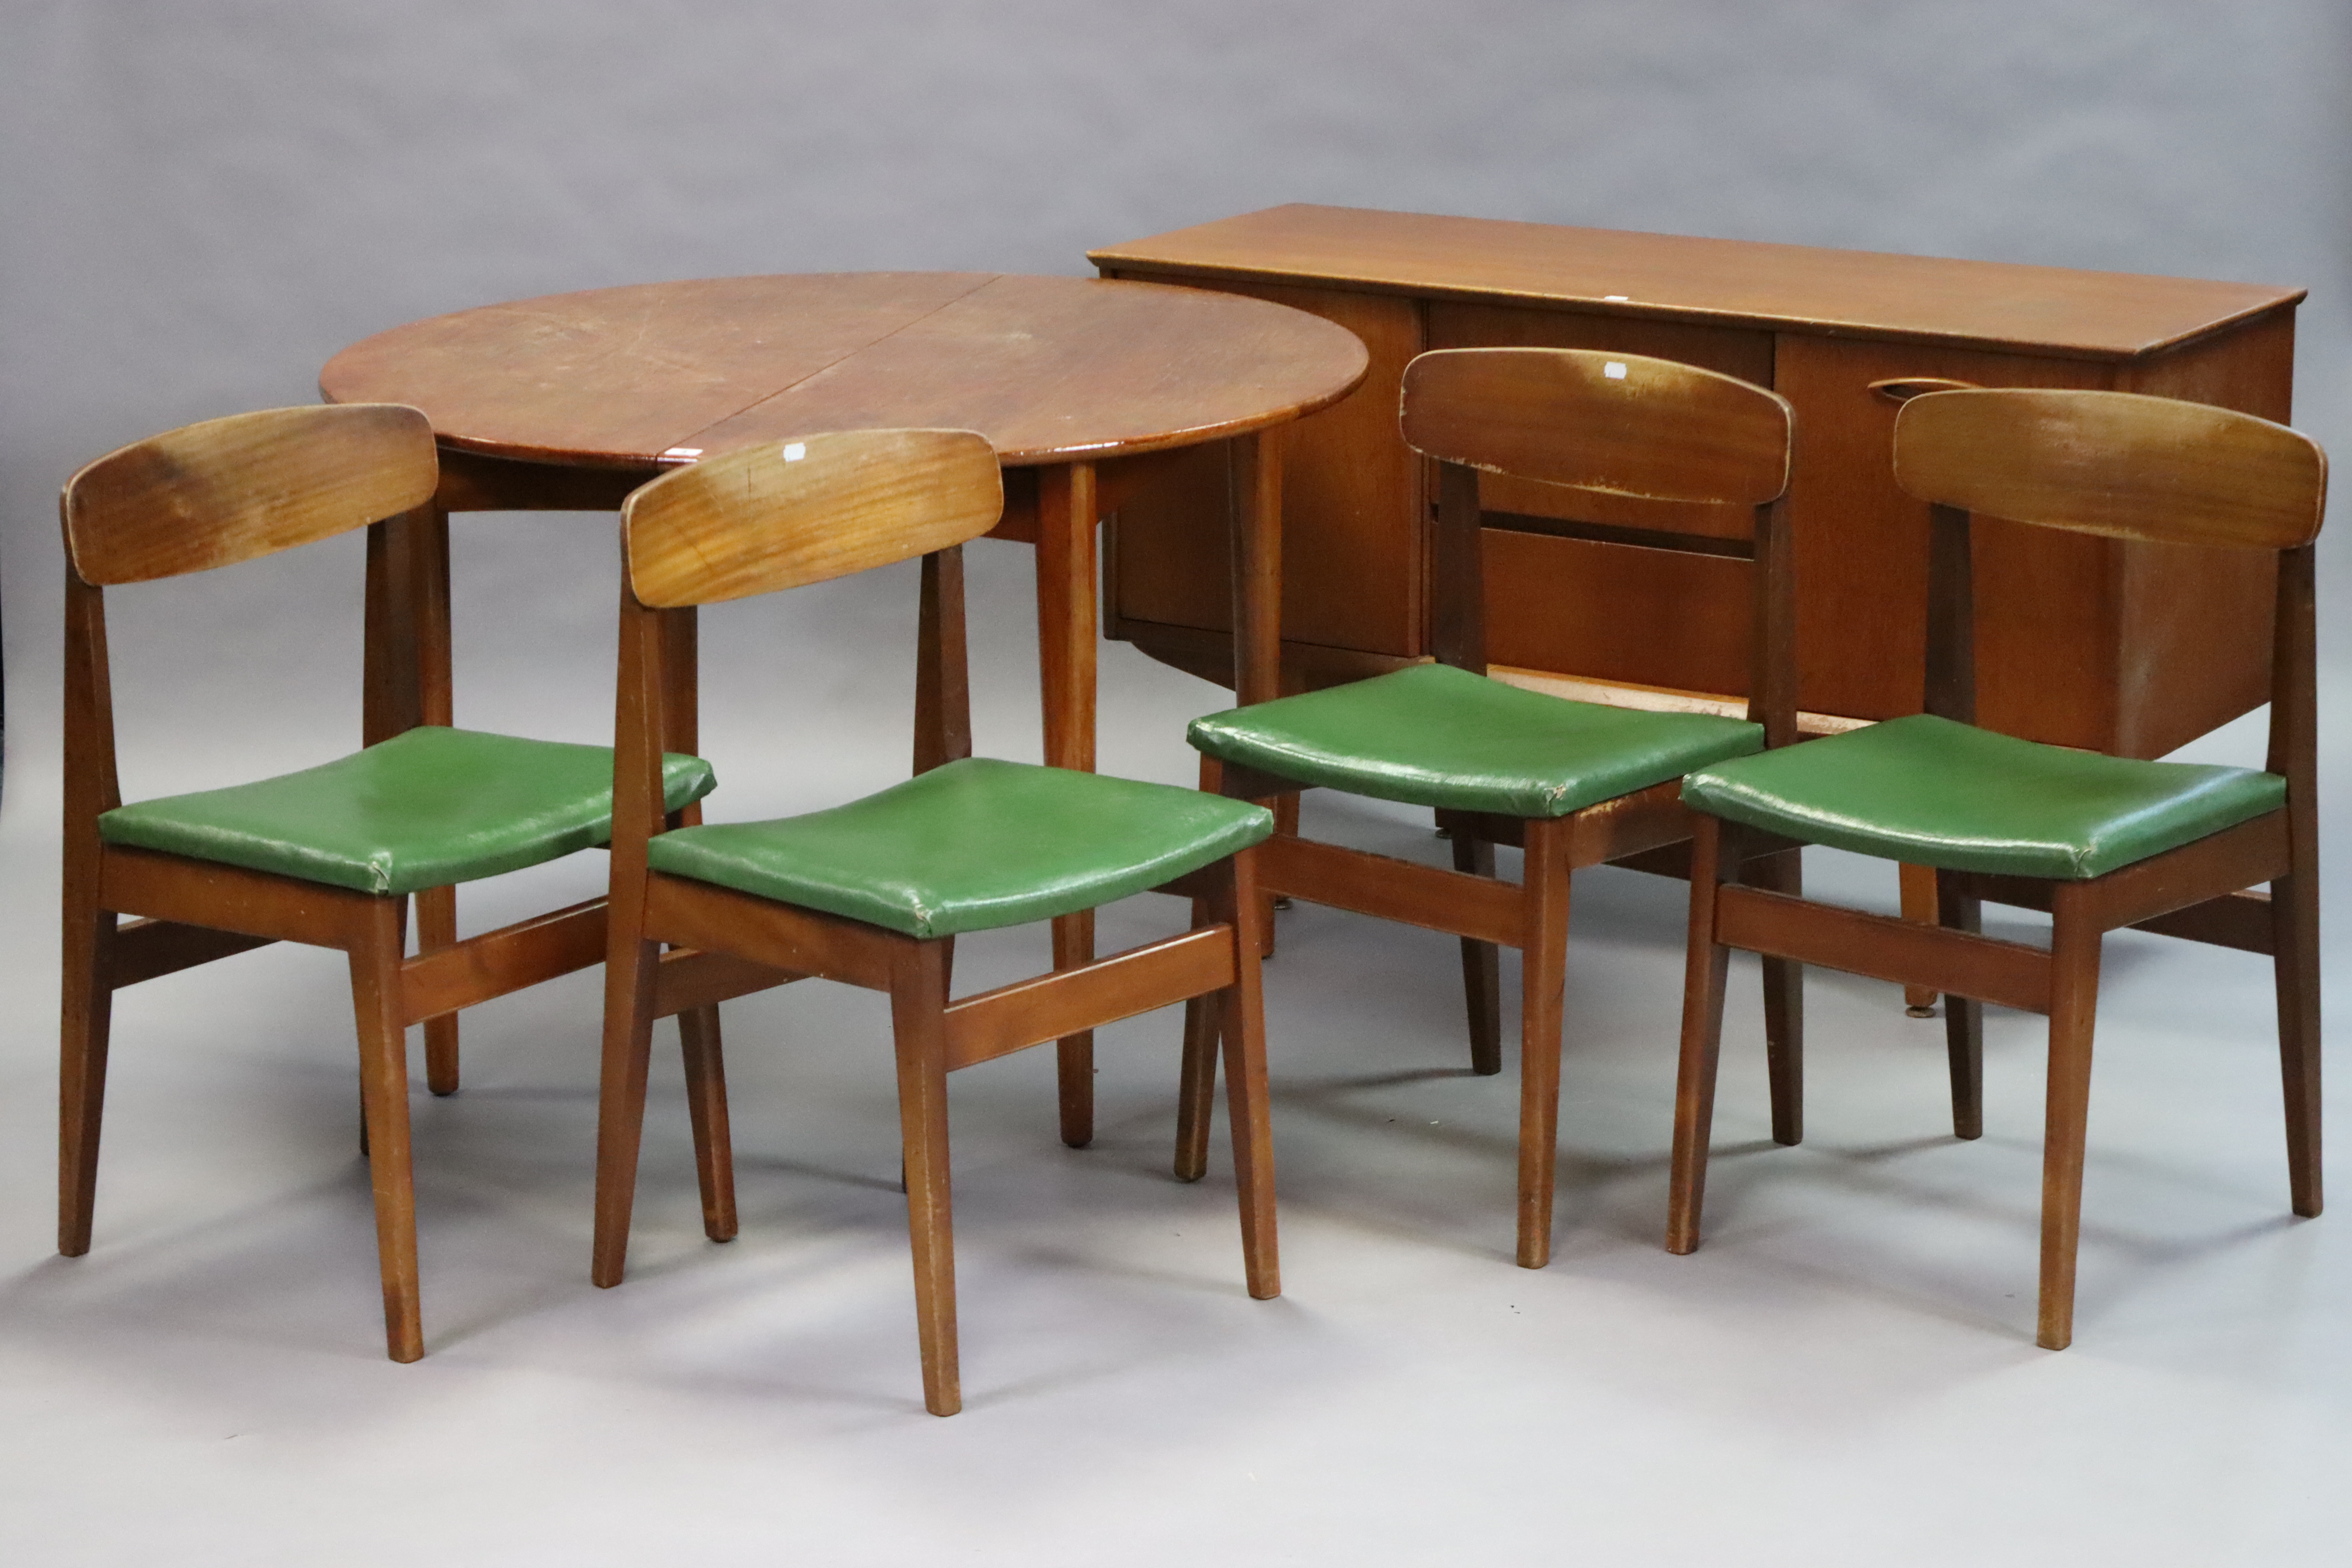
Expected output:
(1254, 469)
(1067, 632)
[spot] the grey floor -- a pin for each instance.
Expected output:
(1846, 1373)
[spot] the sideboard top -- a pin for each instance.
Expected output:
(1731, 283)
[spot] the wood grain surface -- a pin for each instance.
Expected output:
(1048, 369)
(1914, 298)
(787, 513)
(229, 489)
(1626, 424)
(2116, 464)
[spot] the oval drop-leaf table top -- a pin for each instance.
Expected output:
(1049, 369)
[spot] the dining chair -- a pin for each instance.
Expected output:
(1574, 783)
(873, 892)
(2101, 842)
(329, 856)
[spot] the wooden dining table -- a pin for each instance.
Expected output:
(1091, 391)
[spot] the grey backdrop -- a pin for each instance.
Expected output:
(204, 199)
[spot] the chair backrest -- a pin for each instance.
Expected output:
(784, 513)
(1620, 425)
(252, 484)
(2114, 463)
(2129, 467)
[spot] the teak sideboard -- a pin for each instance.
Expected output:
(2176, 640)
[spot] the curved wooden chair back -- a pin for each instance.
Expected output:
(252, 484)
(1624, 424)
(2114, 463)
(784, 513)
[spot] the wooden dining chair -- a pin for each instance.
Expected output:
(873, 892)
(1574, 783)
(329, 856)
(2100, 842)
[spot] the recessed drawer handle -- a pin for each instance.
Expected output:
(1902, 388)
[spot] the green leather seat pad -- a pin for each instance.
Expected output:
(972, 846)
(1935, 793)
(1434, 735)
(426, 808)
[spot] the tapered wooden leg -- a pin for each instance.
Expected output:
(1196, 1080)
(1955, 909)
(2073, 1008)
(920, 1032)
(1705, 968)
(436, 926)
(1481, 971)
(705, 1106)
(1242, 1007)
(629, 967)
(1784, 1006)
(2295, 936)
(86, 1011)
(1074, 1054)
(1067, 621)
(1543, 969)
(375, 962)
(1253, 481)
(1918, 884)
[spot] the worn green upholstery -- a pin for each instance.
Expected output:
(1434, 735)
(426, 808)
(1930, 791)
(972, 846)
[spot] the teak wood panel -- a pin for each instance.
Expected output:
(2045, 601)
(1722, 282)
(2203, 614)
(1615, 612)
(2177, 636)
(1354, 575)
(2174, 638)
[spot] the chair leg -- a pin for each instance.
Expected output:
(85, 1019)
(2073, 1008)
(436, 926)
(705, 1106)
(1543, 970)
(1196, 1080)
(2295, 940)
(1784, 1006)
(1481, 971)
(920, 1027)
(1074, 1054)
(1917, 885)
(1955, 909)
(1243, 1008)
(375, 961)
(1705, 970)
(621, 1099)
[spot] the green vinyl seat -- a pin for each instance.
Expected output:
(1928, 791)
(971, 846)
(1434, 735)
(428, 807)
